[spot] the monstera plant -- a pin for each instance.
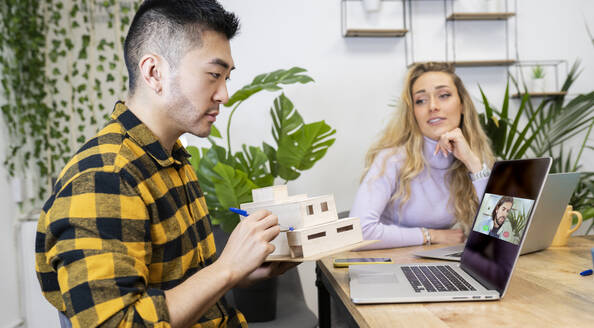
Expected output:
(227, 178)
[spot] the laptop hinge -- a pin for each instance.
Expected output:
(480, 280)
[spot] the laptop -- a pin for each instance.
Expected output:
(490, 253)
(548, 213)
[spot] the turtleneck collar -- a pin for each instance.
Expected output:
(437, 161)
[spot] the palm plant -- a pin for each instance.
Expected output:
(518, 222)
(549, 127)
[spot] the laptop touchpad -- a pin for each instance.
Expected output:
(377, 278)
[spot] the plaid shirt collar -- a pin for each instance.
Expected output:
(145, 138)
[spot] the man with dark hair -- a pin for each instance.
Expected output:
(499, 215)
(125, 238)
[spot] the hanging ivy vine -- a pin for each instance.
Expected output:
(62, 69)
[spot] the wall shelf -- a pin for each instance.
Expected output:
(540, 94)
(504, 20)
(551, 85)
(479, 16)
(375, 33)
(478, 63)
(389, 21)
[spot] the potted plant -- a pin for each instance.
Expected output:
(548, 129)
(227, 177)
(518, 222)
(538, 81)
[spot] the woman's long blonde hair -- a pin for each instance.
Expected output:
(403, 132)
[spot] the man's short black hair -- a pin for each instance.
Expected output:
(502, 200)
(171, 28)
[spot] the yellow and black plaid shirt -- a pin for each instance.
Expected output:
(125, 222)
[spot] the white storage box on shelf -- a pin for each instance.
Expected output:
(322, 238)
(305, 215)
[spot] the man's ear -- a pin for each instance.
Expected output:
(151, 68)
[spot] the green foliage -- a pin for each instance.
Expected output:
(507, 140)
(518, 222)
(23, 78)
(55, 70)
(546, 130)
(538, 72)
(228, 178)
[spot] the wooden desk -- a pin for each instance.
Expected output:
(545, 290)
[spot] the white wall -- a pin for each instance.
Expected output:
(356, 79)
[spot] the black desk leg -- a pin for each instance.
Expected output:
(323, 301)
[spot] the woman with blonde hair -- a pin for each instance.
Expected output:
(425, 174)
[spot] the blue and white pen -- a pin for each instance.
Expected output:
(244, 213)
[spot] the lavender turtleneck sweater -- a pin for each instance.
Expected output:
(427, 206)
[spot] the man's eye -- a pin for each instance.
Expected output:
(215, 75)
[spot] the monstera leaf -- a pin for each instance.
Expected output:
(227, 178)
(205, 166)
(299, 145)
(270, 82)
(253, 162)
(232, 187)
(206, 174)
(194, 156)
(285, 118)
(301, 150)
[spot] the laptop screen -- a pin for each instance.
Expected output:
(504, 213)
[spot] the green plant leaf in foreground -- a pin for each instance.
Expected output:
(232, 188)
(270, 81)
(285, 118)
(305, 147)
(253, 162)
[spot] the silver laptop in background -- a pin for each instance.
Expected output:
(489, 256)
(549, 211)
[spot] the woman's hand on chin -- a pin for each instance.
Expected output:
(454, 142)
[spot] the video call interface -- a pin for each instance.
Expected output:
(502, 220)
(503, 217)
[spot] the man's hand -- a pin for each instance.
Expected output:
(447, 236)
(248, 245)
(246, 249)
(266, 271)
(455, 143)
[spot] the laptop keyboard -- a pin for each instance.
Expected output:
(435, 278)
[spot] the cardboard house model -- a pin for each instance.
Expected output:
(315, 223)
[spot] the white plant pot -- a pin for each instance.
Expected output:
(537, 85)
(372, 5)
